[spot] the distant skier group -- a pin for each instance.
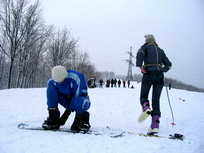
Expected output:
(69, 89)
(114, 83)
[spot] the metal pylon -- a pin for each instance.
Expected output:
(130, 64)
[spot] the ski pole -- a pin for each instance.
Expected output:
(170, 108)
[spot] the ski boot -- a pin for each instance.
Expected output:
(146, 111)
(81, 123)
(85, 125)
(52, 122)
(154, 127)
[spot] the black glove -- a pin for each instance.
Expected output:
(64, 117)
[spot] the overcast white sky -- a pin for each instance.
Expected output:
(107, 28)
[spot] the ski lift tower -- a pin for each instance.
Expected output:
(130, 64)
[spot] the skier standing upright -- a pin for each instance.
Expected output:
(155, 64)
(119, 83)
(100, 83)
(128, 82)
(69, 89)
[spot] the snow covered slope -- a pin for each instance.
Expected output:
(115, 108)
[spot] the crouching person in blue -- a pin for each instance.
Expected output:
(69, 89)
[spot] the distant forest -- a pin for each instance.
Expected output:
(181, 85)
(169, 82)
(173, 83)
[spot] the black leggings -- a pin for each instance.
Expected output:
(156, 80)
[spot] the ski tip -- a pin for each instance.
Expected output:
(173, 123)
(118, 135)
(22, 125)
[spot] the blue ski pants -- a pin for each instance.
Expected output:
(78, 104)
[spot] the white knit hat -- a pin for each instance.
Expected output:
(59, 73)
(149, 38)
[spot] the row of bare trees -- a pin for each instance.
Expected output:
(172, 83)
(29, 48)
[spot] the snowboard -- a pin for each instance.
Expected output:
(24, 126)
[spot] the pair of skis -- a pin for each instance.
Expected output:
(143, 117)
(24, 126)
(175, 136)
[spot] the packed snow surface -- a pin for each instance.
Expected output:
(113, 110)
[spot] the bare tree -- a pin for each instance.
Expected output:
(83, 64)
(11, 17)
(28, 48)
(25, 35)
(61, 47)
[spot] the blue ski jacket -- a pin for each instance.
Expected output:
(153, 58)
(74, 84)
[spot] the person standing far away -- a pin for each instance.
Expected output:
(100, 83)
(128, 82)
(69, 89)
(124, 82)
(153, 62)
(119, 83)
(112, 83)
(115, 82)
(108, 83)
